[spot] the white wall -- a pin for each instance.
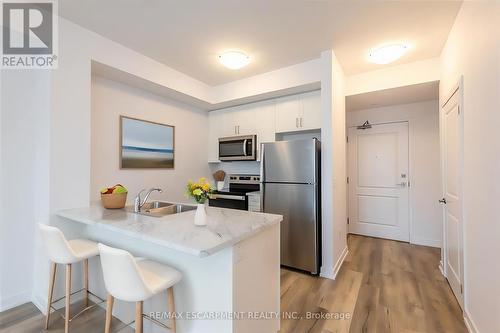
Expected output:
(339, 167)
(268, 85)
(473, 50)
(111, 99)
(393, 77)
(333, 172)
(24, 142)
(425, 178)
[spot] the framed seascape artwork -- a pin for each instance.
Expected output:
(146, 144)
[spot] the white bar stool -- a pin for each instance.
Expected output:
(135, 280)
(62, 251)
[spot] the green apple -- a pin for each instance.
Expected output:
(119, 189)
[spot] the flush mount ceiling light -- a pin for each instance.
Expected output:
(388, 53)
(234, 59)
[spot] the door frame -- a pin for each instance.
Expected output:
(443, 265)
(409, 176)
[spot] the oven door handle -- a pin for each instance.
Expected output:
(227, 196)
(245, 147)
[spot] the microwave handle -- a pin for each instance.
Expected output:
(245, 147)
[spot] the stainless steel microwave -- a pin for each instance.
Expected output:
(238, 148)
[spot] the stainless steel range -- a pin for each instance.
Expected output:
(235, 196)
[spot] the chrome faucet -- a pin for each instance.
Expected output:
(137, 201)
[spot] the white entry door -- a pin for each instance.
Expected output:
(452, 201)
(378, 181)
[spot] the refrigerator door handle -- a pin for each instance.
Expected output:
(262, 193)
(262, 162)
(262, 179)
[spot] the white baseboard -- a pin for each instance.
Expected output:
(339, 263)
(331, 272)
(40, 302)
(427, 242)
(441, 268)
(13, 301)
(469, 323)
(327, 273)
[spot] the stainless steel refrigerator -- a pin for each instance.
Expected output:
(290, 186)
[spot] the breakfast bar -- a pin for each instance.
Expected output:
(230, 267)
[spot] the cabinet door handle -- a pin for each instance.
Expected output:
(300, 121)
(297, 122)
(238, 129)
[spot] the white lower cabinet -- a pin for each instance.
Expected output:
(254, 202)
(266, 118)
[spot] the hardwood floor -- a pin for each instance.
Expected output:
(28, 319)
(384, 286)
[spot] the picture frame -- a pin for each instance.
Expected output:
(146, 144)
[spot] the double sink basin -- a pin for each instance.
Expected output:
(160, 208)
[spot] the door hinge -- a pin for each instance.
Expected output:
(409, 184)
(347, 138)
(347, 180)
(347, 220)
(461, 289)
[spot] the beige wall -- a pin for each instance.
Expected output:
(473, 50)
(111, 99)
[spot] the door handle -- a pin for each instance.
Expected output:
(300, 122)
(245, 147)
(443, 201)
(297, 122)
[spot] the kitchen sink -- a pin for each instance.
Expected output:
(160, 208)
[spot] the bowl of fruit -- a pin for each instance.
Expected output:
(114, 197)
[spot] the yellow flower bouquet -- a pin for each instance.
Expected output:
(199, 191)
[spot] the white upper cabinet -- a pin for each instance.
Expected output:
(298, 112)
(216, 121)
(287, 113)
(266, 118)
(310, 110)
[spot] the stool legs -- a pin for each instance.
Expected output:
(171, 308)
(86, 281)
(109, 313)
(68, 295)
(138, 317)
(51, 292)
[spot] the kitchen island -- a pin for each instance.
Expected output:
(231, 267)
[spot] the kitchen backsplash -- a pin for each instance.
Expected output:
(243, 167)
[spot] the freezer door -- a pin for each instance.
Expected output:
(299, 229)
(290, 161)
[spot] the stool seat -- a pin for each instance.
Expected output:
(67, 252)
(83, 248)
(135, 280)
(157, 277)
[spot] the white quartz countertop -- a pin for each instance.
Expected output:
(225, 227)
